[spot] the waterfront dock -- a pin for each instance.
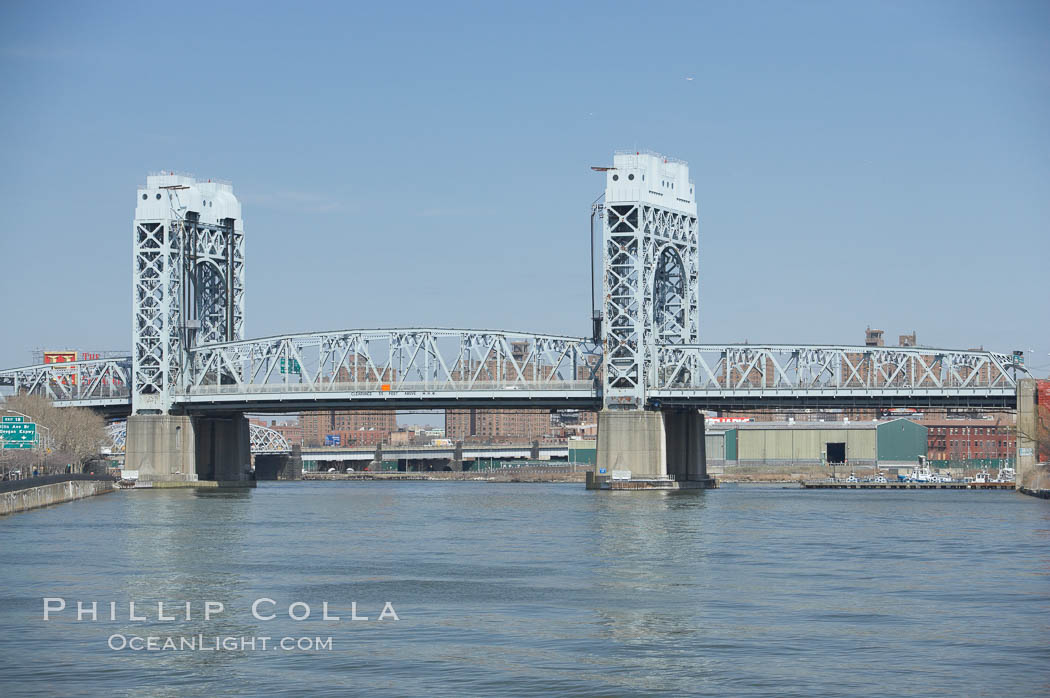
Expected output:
(908, 485)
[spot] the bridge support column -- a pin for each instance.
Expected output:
(160, 448)
(279, 466)
(650, 450)
(686, 452)
(456, 461)
(224, 449)
(180, 448)
(1027, 427)
(376, 464)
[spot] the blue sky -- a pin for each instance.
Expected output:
(428, 164)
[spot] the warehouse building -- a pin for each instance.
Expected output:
(770, 444)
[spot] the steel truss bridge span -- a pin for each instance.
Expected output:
(104, 384)
(445, 368)
(386, 368)
(778, 376)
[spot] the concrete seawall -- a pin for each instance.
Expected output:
(54, 493)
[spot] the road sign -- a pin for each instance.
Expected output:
(293, 363)
(29, 431)
(14, 419)
(17, 434)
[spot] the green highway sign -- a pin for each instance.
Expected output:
(17, 427)
(290, 366)
(13, 419)
(17, 434)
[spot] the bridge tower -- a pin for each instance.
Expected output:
(188, 290)
(651, 296)
(651, 263)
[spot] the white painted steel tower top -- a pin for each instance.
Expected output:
(212, 201)
(650, 178)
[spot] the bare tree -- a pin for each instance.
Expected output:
(70, 435)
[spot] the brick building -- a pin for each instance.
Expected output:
(970, 439)
(495, 426)
(354, 427)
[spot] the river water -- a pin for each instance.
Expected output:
(532, 589)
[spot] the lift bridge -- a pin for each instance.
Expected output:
(192, 375)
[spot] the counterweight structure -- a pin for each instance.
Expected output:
(188, 281)
(651, 263)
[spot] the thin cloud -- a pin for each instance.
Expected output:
(300, 202)
(449, 212)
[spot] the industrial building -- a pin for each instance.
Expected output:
(889, 443)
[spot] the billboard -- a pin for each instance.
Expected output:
(332, 439)
(67, 356)
(59, 357)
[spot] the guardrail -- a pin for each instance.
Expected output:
(373, 387)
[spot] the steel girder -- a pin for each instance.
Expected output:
(155, 321)
(651, 286)
(117, 432)
(267, 440)
(94, 383)
(215, 276)
(800, 371)
(393, 360)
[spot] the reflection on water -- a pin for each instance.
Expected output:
(519, 589)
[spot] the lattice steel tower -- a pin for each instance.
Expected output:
(189, 281)
(651, 262)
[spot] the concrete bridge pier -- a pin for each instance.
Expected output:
(1027, 427)
(183, 448)
(455, 463)
(650, 450)
(280, 466)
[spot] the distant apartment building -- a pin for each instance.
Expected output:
(497, 426)
(352, 427)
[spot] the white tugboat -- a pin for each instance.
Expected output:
(1006, 474)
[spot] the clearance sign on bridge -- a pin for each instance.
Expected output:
(15, 432)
